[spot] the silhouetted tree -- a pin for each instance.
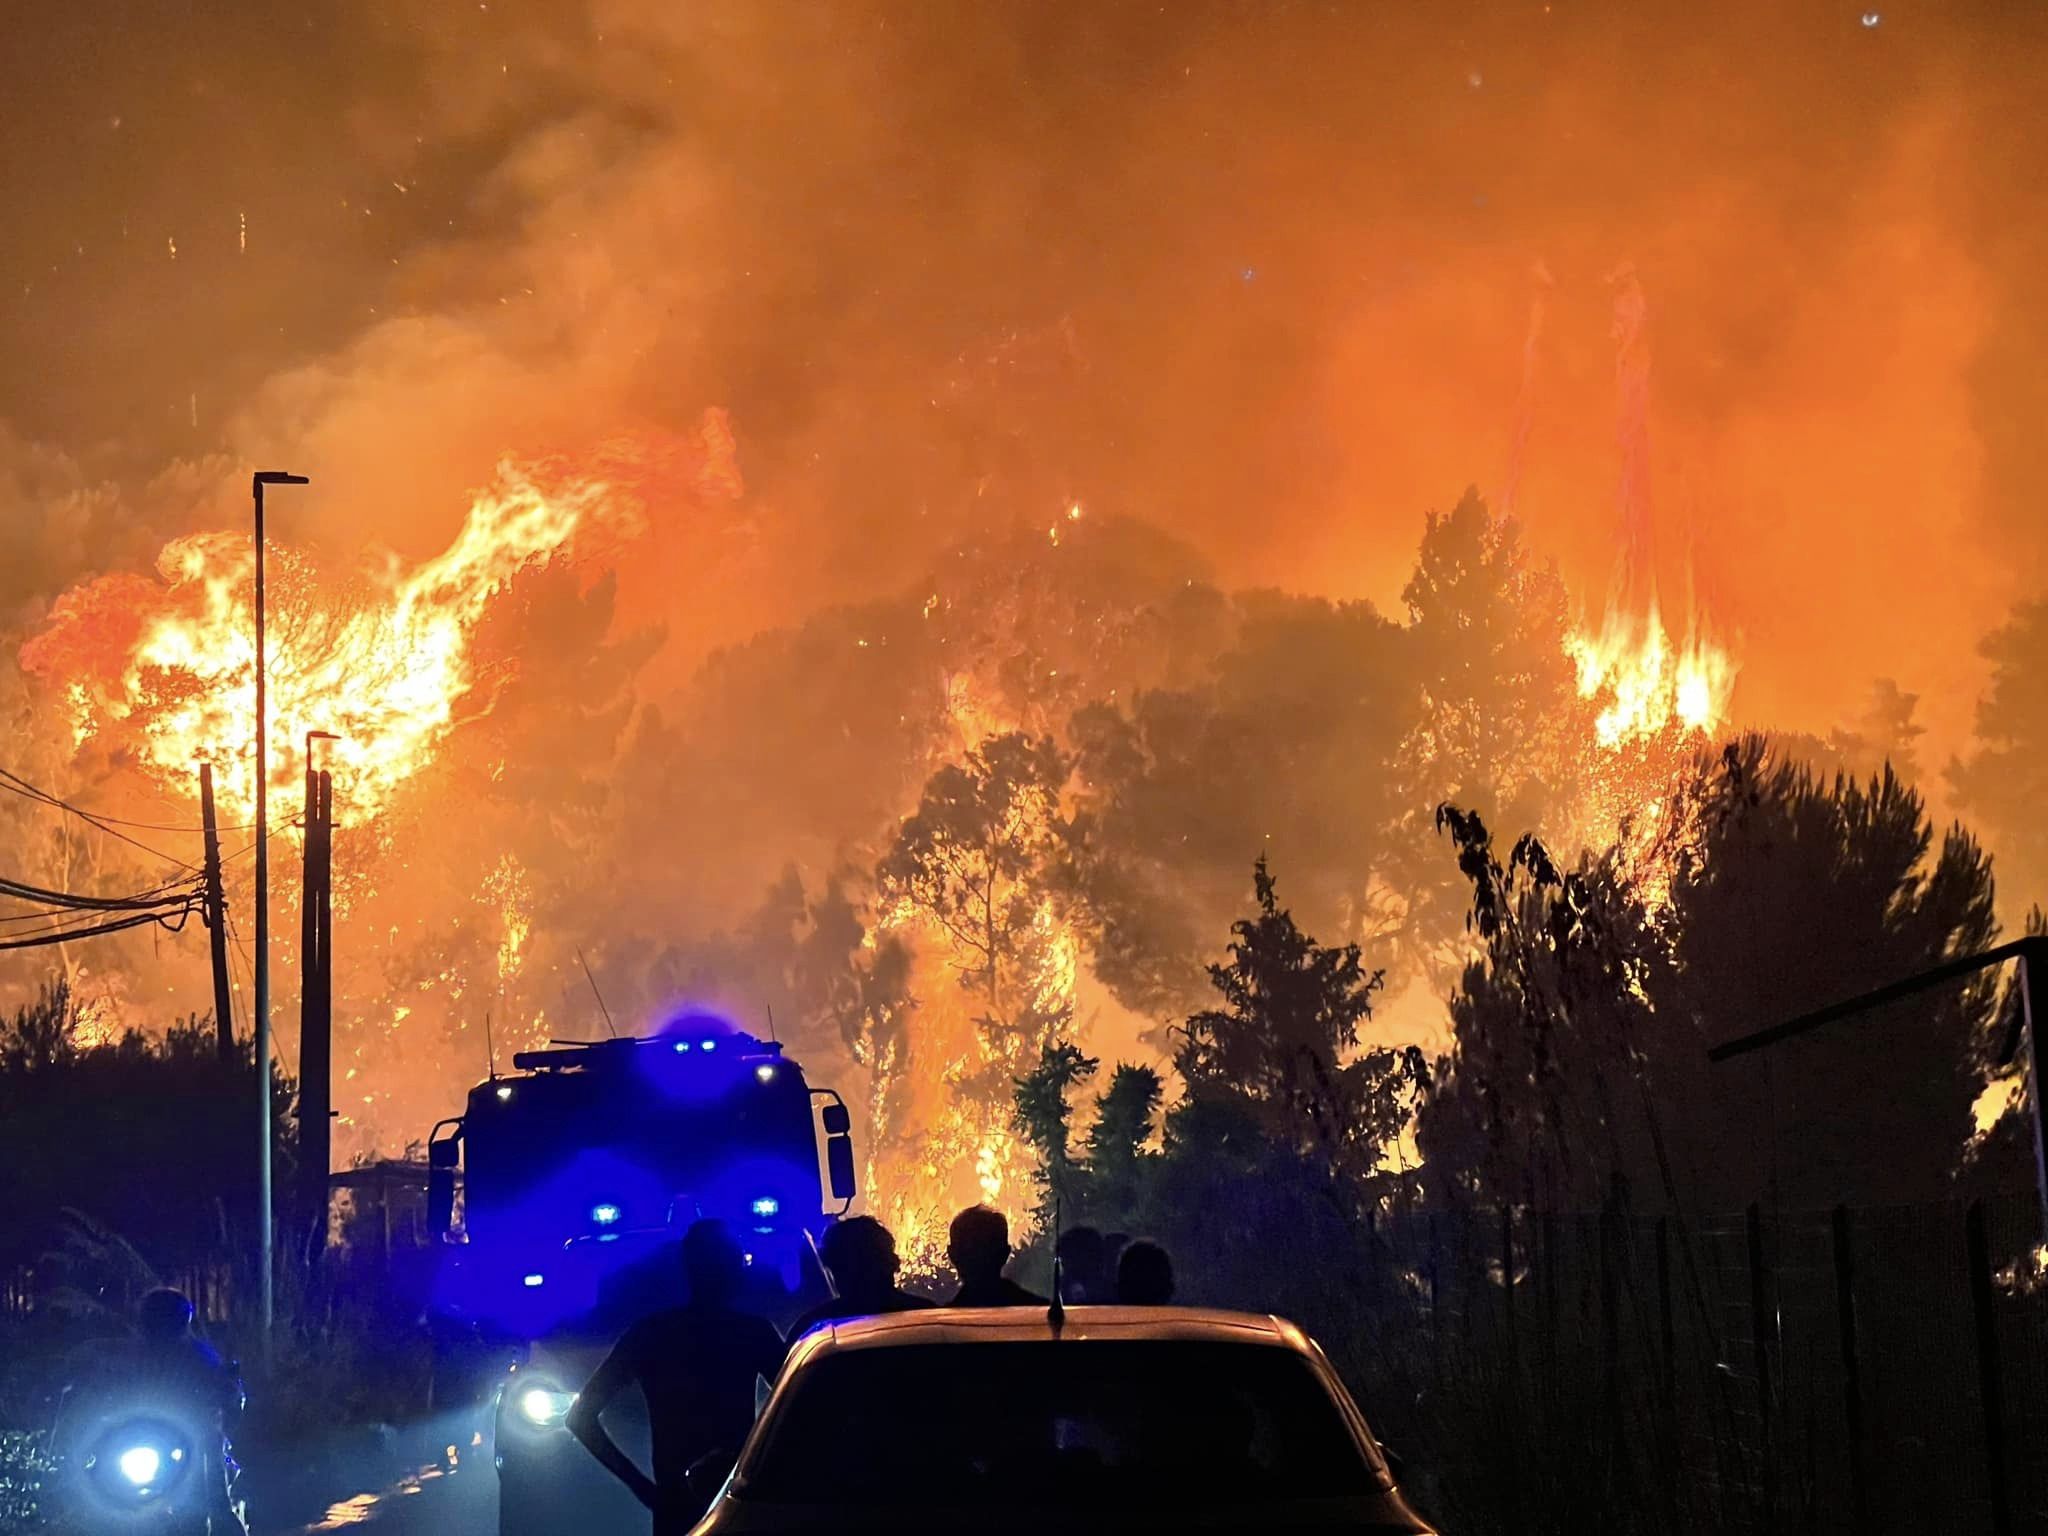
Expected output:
(41, 1032)
(1042, 1116)
(1788, 892)
(2003, 784)
(1581, 1033)
(1278, 1044)
(1125, 1113)
(1550, 1091)
(1882, 732)
(1108, 1186)
(145, 1137)
(1501, 724)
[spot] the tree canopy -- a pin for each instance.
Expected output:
(1582, 1030)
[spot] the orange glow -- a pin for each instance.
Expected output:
(385, 669)
(1643, 682)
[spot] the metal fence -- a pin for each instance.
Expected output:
(1835, 1371)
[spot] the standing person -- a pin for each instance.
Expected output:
(1085, 1279)
(1113, 1246)
(860, 1255)
(696, 1365)
(979, 1246)
(1144, 1275)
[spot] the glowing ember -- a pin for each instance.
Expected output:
(510, 892)
(96, 1021)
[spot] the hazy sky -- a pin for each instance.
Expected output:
(1276, 276)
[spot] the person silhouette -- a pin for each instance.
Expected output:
(695, 1364)
(1113, 1246)
(1085, 1278)
(1144, 1275)
(859, 1253)
(978, 1243)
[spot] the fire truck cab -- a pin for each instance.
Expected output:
(578, 1174)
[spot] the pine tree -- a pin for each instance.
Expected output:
(1290, 1016)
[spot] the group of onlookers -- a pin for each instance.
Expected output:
(859, 1254)
(698, 1364)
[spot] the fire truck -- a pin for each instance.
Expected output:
(578, 1174)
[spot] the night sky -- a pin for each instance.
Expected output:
(1262, 274)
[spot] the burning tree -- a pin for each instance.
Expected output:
(979, 861)
(974, 872)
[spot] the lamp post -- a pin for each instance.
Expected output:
(267, 1240)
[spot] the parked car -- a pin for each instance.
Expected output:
(1104, 1418)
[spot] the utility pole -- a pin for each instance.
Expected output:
(214, 906)
(266, 1245)
(316, 1003)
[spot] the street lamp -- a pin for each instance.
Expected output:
(267, 1240)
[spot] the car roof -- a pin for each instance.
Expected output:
(1077, 1327)
(1034, 1324)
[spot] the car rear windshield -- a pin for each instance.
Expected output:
(1061, 1422)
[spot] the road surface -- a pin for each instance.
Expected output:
(376, 1488)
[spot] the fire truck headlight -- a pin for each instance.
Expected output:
(140, 1464)
(765, 1072)
(767, 1205)
(707, 1045)
(682, 1046)
(534, 1282)
(604, 1213)
(545, 1407)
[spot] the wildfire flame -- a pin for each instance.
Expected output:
(1645, 683)
(169, 666)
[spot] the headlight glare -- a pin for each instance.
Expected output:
(138, 1462)
(544, 1405)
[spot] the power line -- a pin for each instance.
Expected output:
(124, 821)
(68, 924)
(249, 970)
(156, 896)
(21, 786)
(64, 913)
(240, 1008)
(115, 925)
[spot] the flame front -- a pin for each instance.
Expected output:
(384, 670)
(1644, 683)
